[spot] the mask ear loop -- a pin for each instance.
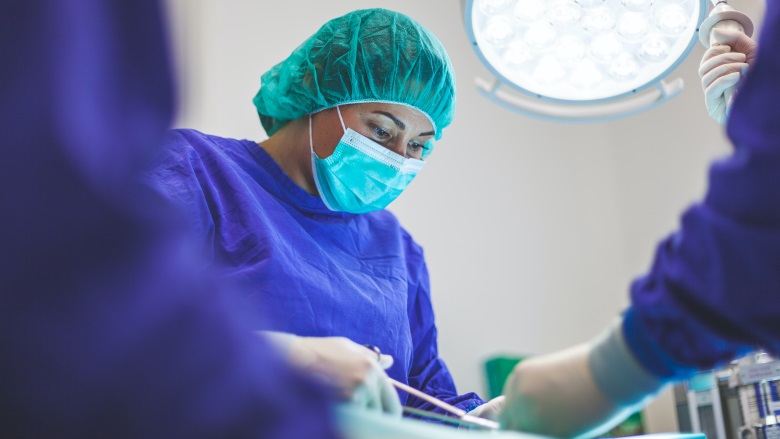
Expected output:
(344, 127)
(311, 141)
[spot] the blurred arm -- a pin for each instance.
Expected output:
(578, 392)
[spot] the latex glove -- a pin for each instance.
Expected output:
(578, 392)
(352, 369)
(489, 410)
(722, 67)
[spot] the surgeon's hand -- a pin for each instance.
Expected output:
(722, 67)
(355, 371)
(577, 392)
(489, 410)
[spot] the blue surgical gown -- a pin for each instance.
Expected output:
(107, 328)
(713, 292)
(312, 271)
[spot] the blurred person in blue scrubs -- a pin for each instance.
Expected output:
(297, 223)
(108, 326)
(712, 294)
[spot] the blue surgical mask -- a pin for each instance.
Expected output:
(361, 175)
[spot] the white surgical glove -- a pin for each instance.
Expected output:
(489, 410)
(354, 370)
(722, 67)
(578, 392)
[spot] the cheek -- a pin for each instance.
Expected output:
(325, 147)
(326, 136)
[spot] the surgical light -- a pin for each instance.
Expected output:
(582, 60)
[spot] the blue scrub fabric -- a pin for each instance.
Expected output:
(107, 327)
(713, 292)
(311, 271)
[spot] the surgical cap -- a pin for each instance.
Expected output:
(371, 55)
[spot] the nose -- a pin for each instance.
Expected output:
(398, 147)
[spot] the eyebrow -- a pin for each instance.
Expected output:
(400, 123)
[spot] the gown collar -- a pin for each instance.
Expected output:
(277, 182)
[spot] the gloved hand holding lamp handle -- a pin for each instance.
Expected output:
(719, 85)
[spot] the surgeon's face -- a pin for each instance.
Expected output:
(398, 128)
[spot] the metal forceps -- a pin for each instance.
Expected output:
(462, 416)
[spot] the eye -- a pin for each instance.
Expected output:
(416, 146)
(381, 134)
(415, 149)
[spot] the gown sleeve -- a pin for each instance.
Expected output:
(107, 330)
(428, 371)
(712, 294)
(179, 176)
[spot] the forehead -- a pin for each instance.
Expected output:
(410, 116)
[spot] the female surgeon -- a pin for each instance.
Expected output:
(297, 223)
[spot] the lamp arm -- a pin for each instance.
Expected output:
(494, 91)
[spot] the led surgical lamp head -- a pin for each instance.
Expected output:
(651, 37)
(581, 60)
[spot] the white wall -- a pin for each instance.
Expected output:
(533, 230)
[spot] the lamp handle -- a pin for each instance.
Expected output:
(731, 25)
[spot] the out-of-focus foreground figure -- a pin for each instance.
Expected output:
(107, 327)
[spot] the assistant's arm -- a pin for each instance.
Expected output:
(708, 297)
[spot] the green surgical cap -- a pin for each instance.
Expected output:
(371, 55)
